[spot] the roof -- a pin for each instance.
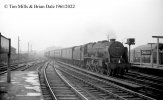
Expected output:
(148, 47)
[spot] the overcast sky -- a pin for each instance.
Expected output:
(89, 21)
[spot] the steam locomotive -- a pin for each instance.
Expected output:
(104, 57)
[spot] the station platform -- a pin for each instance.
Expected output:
(148, 65)
(148, 68)
(24, 85)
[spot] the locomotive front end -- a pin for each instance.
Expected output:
(116, 49)
(117, 59)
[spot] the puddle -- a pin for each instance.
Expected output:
(31, 94)
(32, 80)
(36, 88)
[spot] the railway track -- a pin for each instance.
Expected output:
(36, 65)
(18, 67)
(12, 67)
(152, 78)
(100, 88)
(59, 87)
(152, 84)
(45, 90)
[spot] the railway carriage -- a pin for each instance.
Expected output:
(57, 53)
(78, 56)
(67, 54)
(51, 54)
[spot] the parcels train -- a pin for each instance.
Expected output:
(104, 57)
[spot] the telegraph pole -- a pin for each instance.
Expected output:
(18, 49)
(31, 47)
(28, 49)
(157, 48)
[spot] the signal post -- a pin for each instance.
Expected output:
(130, 41)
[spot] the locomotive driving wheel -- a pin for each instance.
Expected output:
(96, 66)
(89, 66)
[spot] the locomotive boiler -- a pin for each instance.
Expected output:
(106, 57)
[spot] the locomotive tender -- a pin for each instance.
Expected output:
(104, 57)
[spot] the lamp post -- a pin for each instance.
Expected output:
(157, 48)
(151, 53)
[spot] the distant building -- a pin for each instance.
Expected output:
(143, 53)
(13, 50)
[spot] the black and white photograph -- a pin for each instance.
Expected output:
(81, 49)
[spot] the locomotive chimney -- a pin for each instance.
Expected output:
(112, 40)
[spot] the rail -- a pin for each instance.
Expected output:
(47, 83)
(65, 81)
(116, 95)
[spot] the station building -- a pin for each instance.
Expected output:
(145, 54)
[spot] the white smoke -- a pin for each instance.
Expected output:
(111, 35)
